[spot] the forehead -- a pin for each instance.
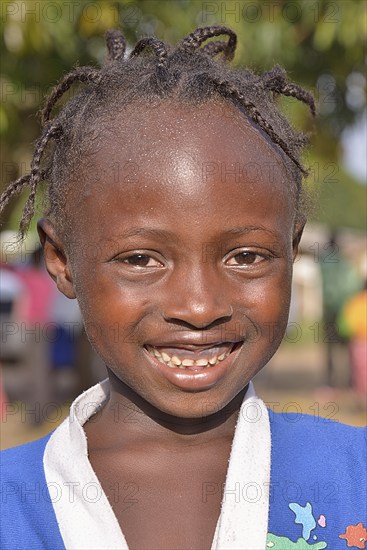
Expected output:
(214, 128)
(156, 161)
(212, 137)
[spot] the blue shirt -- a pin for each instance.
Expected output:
(318, 489)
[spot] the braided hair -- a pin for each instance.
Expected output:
(193, 72)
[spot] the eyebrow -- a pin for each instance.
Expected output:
(250, 229)
(161, 233)
(147, 232)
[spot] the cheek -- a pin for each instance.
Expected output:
(112, 312)
(268, 305)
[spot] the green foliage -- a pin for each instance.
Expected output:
(320, 43)
(337, 200)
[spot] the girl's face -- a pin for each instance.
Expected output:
(183, 256)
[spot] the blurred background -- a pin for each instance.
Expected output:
(320, 368)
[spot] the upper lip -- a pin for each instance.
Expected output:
(190, 343)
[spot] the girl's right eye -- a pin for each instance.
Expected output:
(141, 260)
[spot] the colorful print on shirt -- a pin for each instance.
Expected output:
(354, 535)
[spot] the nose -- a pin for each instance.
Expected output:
(197, 298)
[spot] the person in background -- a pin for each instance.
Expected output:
(353, 326)
(35, 316)
(67, 328)
(340, 281)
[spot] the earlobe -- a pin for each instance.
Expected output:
(56, 260)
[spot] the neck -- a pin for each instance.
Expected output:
(138, 420)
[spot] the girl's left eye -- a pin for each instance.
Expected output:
(141, 260)
(244, 259)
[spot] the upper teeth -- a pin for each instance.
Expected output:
(174, 362)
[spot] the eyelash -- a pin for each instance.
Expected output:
(254, 257)
(141, 256)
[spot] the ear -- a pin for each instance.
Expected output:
(56, 260)
(298, 230)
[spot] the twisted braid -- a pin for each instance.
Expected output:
(215, 47)
(13, 189)
(276, 81)
(32, 180)
(157, 46)
(187, 73)
(116, 45)
(194, 40)
(301, 94)
(29, 206)
(260, 120)
(81, 74)
(37, 175)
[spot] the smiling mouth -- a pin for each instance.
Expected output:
(193, 360)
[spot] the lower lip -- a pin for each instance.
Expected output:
(194, 381)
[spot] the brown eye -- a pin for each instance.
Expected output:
(243, 258)
(141, 260)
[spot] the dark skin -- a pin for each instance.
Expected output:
(194, 250)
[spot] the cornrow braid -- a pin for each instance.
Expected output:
(188, 73)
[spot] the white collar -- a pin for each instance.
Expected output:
(85, 516)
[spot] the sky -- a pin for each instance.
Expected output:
(354, 142)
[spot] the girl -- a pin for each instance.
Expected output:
(174, 216)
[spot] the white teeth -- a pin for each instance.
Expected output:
(174, 361)
(188, 363)
(201, 362)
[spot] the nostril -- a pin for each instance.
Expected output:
(205, 321)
